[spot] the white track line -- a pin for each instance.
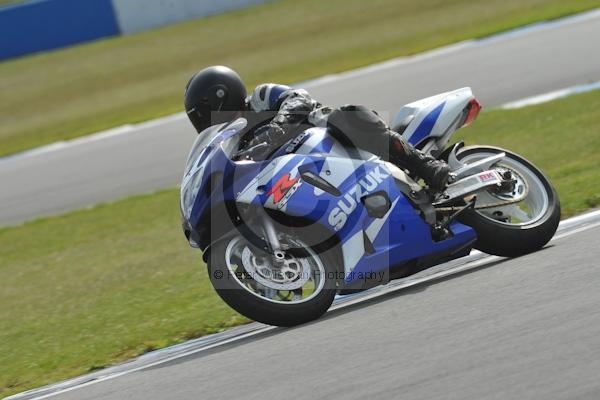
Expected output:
(477, 259)
(117, 131)
(511, 34)
(546, 97)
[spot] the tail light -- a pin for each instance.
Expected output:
(473, 109)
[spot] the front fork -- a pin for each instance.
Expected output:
(271, 238)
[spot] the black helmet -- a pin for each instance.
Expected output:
(213, 96)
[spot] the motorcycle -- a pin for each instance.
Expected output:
(283, 234)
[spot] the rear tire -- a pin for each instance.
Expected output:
(507, 239)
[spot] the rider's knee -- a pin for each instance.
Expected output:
(356, 124)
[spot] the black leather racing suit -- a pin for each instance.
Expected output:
(352, 125)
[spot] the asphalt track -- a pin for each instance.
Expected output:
(504, 68)
(524, 328)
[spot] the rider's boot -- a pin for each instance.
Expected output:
(434, 172)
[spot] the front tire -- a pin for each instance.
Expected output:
(520, 228)
(239, 273)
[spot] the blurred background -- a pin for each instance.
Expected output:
(94, 268)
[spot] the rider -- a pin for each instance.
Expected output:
(217, 94)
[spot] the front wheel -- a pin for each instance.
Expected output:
(517, 228)
(295, 288)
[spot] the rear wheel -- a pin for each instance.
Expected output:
(294, 288)
(521, 227)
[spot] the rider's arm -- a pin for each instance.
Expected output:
(293, 107)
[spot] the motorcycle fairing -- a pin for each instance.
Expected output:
(434, 117)
(398, 236)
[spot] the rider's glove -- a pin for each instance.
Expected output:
(271, 134)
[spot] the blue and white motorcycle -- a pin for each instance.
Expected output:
(283, 235)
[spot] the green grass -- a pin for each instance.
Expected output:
(83, 89)
(9, 2)
(97, 286)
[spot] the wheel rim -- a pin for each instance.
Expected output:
(292, 280)
(525, 212)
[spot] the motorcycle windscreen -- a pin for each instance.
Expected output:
(211, 134)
